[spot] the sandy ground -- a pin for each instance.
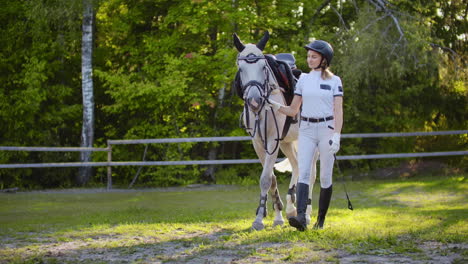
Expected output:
(182, 250)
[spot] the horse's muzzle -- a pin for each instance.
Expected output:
(255, 103)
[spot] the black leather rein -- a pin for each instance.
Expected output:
(265, 93)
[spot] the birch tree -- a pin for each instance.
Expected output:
(87, 132)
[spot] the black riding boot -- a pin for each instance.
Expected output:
(324, 203)
(302, 197)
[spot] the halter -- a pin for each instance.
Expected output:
(265, 92)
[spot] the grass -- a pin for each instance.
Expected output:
(405, 218)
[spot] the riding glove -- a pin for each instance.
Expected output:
(274, 105)
(335, 143)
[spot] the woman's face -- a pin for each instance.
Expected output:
(313, 59)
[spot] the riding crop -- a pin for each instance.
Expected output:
(350, 205)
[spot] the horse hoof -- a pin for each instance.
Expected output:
(257, 226)
(278, 223)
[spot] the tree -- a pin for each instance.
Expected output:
(87, 133)
(39, 95)
(165, 69)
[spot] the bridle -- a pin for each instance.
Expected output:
(265, 91)
(252, 59)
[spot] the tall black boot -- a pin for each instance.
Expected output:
(324, 203)
(302, 197)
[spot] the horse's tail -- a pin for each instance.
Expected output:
(283, 166)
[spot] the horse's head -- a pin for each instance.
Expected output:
(253, 71)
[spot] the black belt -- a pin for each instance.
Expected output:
(316, 120)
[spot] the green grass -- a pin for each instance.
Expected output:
(391, 218)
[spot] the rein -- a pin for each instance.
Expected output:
(265, 92)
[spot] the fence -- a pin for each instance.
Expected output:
(109, 164)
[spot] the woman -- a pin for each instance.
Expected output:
(320, 93)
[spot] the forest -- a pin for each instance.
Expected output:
(165, 69)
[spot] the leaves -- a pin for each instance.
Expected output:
(165, 69)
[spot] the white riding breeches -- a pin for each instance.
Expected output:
(311, 137)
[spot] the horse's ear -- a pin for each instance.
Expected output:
(238, 43)
(262, 43)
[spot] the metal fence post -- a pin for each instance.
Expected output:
(109, 167)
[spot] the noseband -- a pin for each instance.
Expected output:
(265, 91)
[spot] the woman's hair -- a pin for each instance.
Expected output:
(326, 73)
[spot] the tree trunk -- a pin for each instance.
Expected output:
(87, 133)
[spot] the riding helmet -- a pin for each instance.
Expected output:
(323, 48)
(288, 58)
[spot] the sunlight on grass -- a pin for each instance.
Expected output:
(389, 217)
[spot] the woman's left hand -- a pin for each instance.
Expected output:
(335, 143)
(274, 105)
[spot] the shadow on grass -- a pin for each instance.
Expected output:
(183, 247)
(392, 215)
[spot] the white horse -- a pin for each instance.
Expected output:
(266, 126)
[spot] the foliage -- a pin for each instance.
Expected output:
(164, 69)
(40, 55)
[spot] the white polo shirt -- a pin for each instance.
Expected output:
(317, 94)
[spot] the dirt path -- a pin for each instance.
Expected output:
(188, 249)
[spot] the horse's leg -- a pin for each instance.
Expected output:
(268, 161)
(276, 200)
(313, 176)
(289, 149)
(261, 209)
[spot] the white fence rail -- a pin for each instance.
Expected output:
(109, 164)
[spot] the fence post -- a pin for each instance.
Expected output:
(109, 167)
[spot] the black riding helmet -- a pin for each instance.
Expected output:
(288, 58)
(323, 48)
